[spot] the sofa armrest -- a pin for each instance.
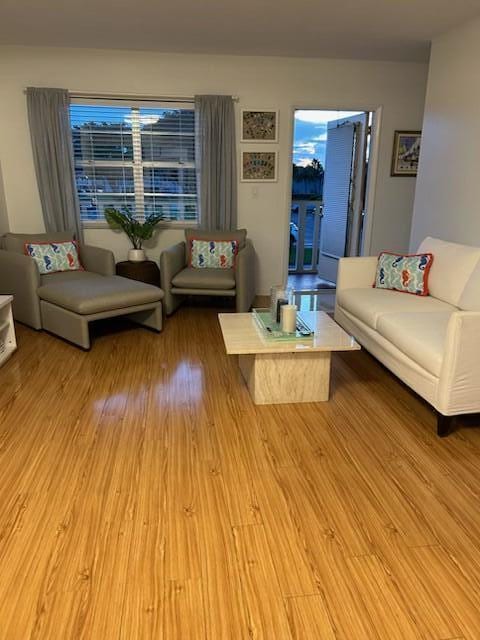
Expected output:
(97, 259)
(356, 273)
(172, 261)
(459, 385)
(19, 276)
(245, 278)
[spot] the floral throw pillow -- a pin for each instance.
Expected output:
(213, 254)
(52, 257)
(408, 273)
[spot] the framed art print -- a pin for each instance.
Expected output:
(259, 125)
(406, 153)
(259, 166)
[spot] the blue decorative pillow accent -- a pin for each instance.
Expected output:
(405, 273)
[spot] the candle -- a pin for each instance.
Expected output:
(289, 318)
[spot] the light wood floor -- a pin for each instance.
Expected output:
(143, 496)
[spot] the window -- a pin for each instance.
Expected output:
(137, 157)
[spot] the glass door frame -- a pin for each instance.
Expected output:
(304, 209)
(371, 186)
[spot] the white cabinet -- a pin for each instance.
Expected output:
(8, 343)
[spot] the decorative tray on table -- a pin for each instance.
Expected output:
(273, 331)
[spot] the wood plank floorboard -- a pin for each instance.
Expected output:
(145, 497)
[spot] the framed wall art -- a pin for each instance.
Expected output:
(259, 125)
(259, 166)
(406, 153)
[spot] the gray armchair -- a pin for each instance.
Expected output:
(179, 280)
(64, 303)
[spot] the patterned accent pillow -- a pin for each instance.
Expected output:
(408, 273)
(213, 254)
(52, 257)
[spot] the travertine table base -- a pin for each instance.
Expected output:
(277, 378)
(279, 372)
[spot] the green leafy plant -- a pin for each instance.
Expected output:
(137, 231)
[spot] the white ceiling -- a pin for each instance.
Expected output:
(370, 29)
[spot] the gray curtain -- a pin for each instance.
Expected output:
(49, 120)
(216, 162)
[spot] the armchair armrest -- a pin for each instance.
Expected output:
(356, 273)
(97, 259)
(172, 261)
(19, 277)
(245, 278)
(459, 386)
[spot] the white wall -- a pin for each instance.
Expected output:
(263, 82)
(447, 202)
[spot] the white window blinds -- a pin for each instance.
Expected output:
(141, 157)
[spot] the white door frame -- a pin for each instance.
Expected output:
(377, 112)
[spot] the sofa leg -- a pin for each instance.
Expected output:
(444, 425)
(151, 318)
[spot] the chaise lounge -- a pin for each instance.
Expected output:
(64, 303)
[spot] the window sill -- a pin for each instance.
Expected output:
(161, 225)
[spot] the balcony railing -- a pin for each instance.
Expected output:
(305, 229)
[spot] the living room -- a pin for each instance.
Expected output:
(151, 487)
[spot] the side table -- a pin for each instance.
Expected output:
(146, 271)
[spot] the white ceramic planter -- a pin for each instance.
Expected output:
(136, 255)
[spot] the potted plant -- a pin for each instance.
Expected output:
(136, 231)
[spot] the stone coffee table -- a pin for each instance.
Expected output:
(279, 372)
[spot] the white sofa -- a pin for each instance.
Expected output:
(432, 343)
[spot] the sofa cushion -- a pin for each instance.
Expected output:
(240, 235)
(92, 293)
(368, 305)
(191, 278)
(65, 276)
(16, 241)
(418, 335)
(470, 298)
(453, 264)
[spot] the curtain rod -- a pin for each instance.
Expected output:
(133, 96)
